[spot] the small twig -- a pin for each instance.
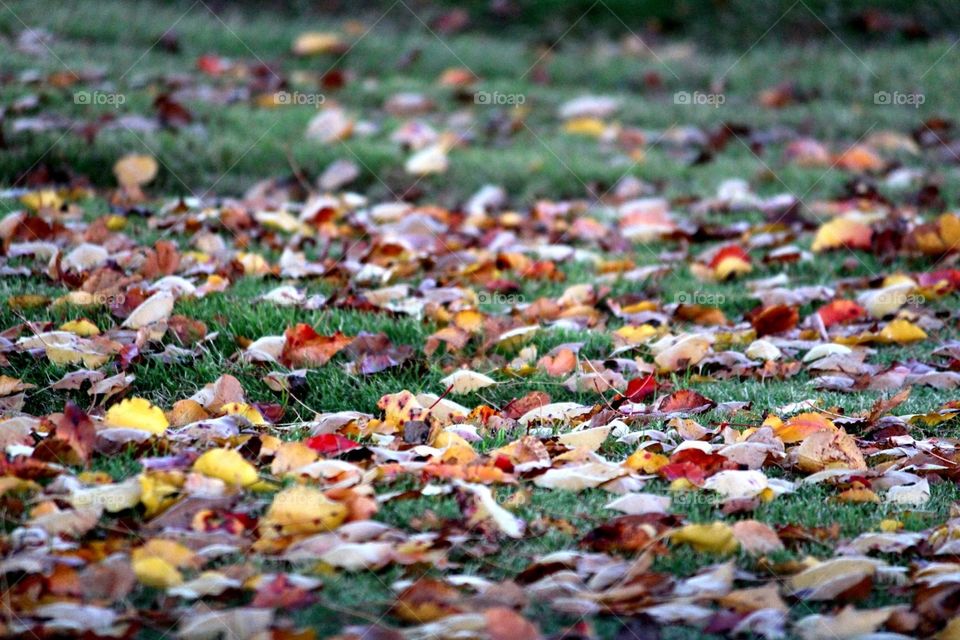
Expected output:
(442, 396)
(829, 413)
(295, 167)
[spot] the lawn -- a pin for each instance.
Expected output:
(617, 231)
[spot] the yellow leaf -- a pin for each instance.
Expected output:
(174, 553)
(157, 572)
(227, 465)
(951, 631)
(458, 454)
(83, 328)
(28, 301)
(890, 525)
(898, 278)
(585, 127)
(37, 200)
(858, 494)
(137, 413)
(135, 170)
(469, 320)
(291, 456)
(11, 483)
(636, 334)
(300, 510)
(646, 461)
(116, 223)
(157, 492)
(245, 410)
(400, 407)
(316, 42)
(253, 264)
(643, 305)
(716, 537)
(901, 331)
(950, 230)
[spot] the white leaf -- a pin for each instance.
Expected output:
(86, 256)
(156, 308)
(636, 504)
(508, 523)
(579, 477)
(466, 381)
(433, 159)
(554, 411)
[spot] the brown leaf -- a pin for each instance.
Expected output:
(507, 624)
(630, 534)
(162, 260)
(519, 406)
(427, 600)
(685, 401)
(829, 449)
(72, 437)
(773, 319)
(756, 537)
(884, 406)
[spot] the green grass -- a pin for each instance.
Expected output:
(225, 154)
(232, 146)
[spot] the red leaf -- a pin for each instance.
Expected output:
(730, 251)
(694, 465)
(211, 65)
(840, 312)
(686, 470)
(330, 443)
(281, 593)
(640, 388)
(935, 278)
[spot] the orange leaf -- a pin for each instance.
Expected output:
(860, 158)
(561, 364)
(800, 426)
(304, 347)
